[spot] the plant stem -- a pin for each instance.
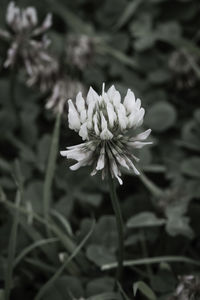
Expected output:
(13, 104)
(51, 168)
(119, 223)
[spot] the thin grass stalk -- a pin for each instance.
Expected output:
(12, 249)
(152, 260)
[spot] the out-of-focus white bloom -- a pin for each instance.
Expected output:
(188, 288)
(43, 71)
(79, 50)
(25, 37)
(103, 122)
(63, 89)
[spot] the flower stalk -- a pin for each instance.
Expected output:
(119, 223)
(51, 168)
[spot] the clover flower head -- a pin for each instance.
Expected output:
(104, 122)
(63, 89)
(25, 36)
(43, 71)
(79, 50)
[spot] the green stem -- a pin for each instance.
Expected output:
(13, 104)
(119, 222)
(51, 168)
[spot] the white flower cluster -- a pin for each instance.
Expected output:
(62, 87)
(103, 122)
(24, 34)
(80, 50)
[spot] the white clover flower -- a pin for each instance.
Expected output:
(26, 38)
(79, 50)
(63, 89)
(103, 122)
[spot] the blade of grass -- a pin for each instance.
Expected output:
(62, 268)
(104, 49)
(51, 167)
(12, 248)
(63, 221)
(67, 242)
(153, 260)
(128, 12)
(33, 246)
(41, 265)
(150, 185)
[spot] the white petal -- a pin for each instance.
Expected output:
(117, 99)
(112, 117)
(76, 166)
(138, 103)
(82, 163)
(143, 136)
(83, 132)
(76, 154)
(80, 102)
(111, 91)
(136, 118)
(138, 144)
(96, 126)
(47, 22)
(106, 134)
(140, 117)
(11, 12)
(122, 161)
(101, 160)
(92, 96)
(129, 101)
(90, 111)
(94, 172)
(114, 96)
(83, 116)
(31, 15)
(104, 123)
(115, 171)
(122, 119)
(63, 153)
(77, 146)
(73, 117)
(131, 165)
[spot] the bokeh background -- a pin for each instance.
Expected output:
(151, 47)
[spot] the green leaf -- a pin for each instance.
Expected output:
(100, 285)
(191, 167)
(106, 296)
(179, 225)
(144, 289)
(99, 255)
(161, 116)
(145, 219)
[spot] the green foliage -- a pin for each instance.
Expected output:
(151, 47)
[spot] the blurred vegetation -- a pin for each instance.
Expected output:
(151, 47)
